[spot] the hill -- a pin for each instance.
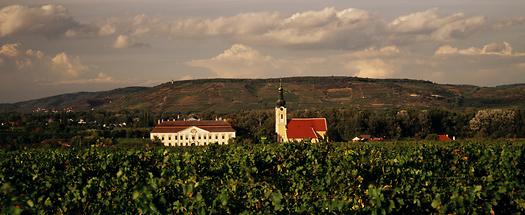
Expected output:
(227, 95)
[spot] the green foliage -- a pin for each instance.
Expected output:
(340, 178)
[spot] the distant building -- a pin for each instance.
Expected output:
(193, 132)
(297, 129)
(367, 137)
(445, 138)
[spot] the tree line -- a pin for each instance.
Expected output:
(255, 126)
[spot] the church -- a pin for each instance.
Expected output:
(297, 129)
(192, 132)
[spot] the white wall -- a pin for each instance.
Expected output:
(193, 135)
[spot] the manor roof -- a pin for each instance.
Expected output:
(208, 125)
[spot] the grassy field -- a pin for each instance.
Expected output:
(342, 178)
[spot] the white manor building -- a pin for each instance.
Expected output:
(193, 132)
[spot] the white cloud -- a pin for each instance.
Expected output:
(124, 41)
(48, 20)
(459, 29)
(241, 61)
(242, 24)
(371, 68)
(430, 24)
(35, 66)
(499, 49)
(326, 26)
(107, 29)
(69, 66)
(10, 50)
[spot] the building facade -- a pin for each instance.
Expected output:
(297, 129)
(193, 132)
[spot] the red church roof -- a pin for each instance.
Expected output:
(301, 128)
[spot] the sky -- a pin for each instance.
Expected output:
(65, 46)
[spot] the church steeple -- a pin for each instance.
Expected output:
(280, 116)
(280, 102)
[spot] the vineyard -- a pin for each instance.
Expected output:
(339, 178)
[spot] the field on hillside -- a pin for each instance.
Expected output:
(341, 178)
(230, 95)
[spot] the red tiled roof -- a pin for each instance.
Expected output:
(195, 123)
(443, 137)
(208, 125)
(300, 128)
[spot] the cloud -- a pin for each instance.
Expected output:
(47, 20)
(107, 29)
(70, 66)
(376, 52)
(10, 50)
(372, 68)
(498, 49)
(15, 59)
(328, 28)
(124, 41)
(241, 61)
(509, 23)
(429, 24)
(35, 66)
(317, 28)
(241, 24)
(100, 78)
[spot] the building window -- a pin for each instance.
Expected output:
(169, 137)
(223, 136)
(281, 116)
(176, 137)
(162, 137)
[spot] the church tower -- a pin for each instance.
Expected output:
(280, 116)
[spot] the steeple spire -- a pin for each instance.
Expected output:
(280, 102)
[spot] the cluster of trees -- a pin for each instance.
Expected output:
(29, 128)
(258, 125)
(345, 124)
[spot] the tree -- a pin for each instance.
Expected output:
(495, 123)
